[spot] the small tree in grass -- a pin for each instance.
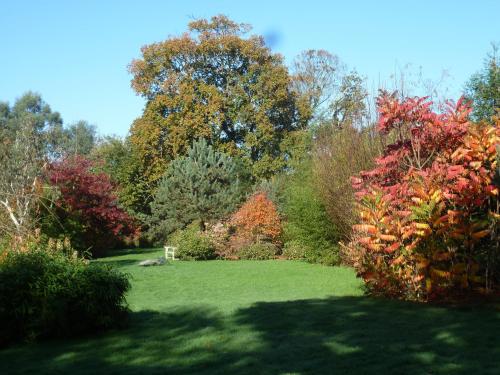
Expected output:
(203, 185)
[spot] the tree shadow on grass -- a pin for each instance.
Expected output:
(359, 335)
(355, 335)
(126, 262)
(180, 342)
(121, 252)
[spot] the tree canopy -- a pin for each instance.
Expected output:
(214, 83)
(483, 88)
(30, 108)
(79, 138)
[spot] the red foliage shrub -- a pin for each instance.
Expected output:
(87, 199)
(429, 210)
(257, 220)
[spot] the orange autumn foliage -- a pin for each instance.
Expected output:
(258, 219)
(429, 213)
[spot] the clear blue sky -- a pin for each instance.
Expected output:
(75, 53)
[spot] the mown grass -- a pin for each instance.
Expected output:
(268, 317)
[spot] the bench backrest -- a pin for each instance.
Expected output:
(170, 252)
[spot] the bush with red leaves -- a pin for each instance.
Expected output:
(429, 211)
(87, 208)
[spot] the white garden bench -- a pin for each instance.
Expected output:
(170, 252)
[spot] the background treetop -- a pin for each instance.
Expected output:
(219, 25)
(483, 88)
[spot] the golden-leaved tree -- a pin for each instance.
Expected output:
(215, 83)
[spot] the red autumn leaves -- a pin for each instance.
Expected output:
(89, 197)
(428, 208)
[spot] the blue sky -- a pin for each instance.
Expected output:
(75, 53)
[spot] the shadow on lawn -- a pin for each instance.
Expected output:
(134, 251)
(364, 335)
(355, 335)
(110, 259)
(120, 262)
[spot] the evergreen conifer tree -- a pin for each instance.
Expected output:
(203, 185)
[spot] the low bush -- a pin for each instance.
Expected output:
(220, 235)
(45, 294)
(258, 251)
(294, 250)
(326, 254)
(192, 244)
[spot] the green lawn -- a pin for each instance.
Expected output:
(268, 317)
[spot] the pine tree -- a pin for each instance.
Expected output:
(203, 185)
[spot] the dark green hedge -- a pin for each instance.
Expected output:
(50, 295)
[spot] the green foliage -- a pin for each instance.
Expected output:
(338, 154)
(333, 95)
(307, 224)
(316, 75)
(119, 161)
(258, 251)
(273, 188)
(294, 250)
(192, 244)
(203, 185)
(349, 106)
(79, 139)
(28, 137)
(328, 256)
(46, 294)
(31, 109)
(483, 88)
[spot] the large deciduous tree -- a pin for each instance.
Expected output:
(217, 84)
(327, 90)
(22, 163)
(30, 108)
(349, 106)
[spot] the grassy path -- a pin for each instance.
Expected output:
(268, 317)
